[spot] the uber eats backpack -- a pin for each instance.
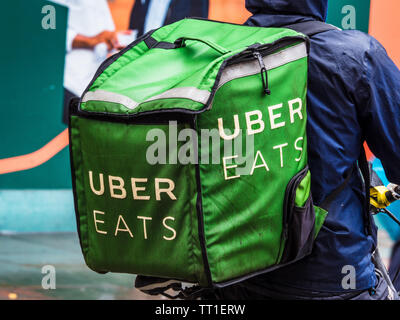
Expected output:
(189, 155)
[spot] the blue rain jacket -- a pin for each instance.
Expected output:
(354, 95)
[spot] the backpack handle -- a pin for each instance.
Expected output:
(180, 43)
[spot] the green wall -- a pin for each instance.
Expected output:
(31, 88)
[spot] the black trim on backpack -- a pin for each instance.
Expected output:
(239, 279)
(311, 28)
(336, 192)
(73, 105)
(364, 168)
(150, 42)
(200, 221)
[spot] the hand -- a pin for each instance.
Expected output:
(108, 37)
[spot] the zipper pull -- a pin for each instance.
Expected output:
(263, 72)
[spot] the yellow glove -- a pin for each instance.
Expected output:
(381, 197)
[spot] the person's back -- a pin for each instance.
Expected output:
(353, 95)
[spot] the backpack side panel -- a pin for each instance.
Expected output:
(134, 216)
(243, 204)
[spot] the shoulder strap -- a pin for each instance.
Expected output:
(311, 28)
(336, 192)
(364, 167)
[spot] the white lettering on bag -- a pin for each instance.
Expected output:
(117, 229)
(259, 161)
(119, 186)
(298, 148)
(222, 130)
(250, 123)
(294, 111)
(101, 179)
(255, 166)
(168, 190)
(169, 228)
(118, 191)
(280, 147)
(136, 189)
(273, 117)
(224, 160)
(121, 226)
(96, 221)
(255, 123)
(144, 225)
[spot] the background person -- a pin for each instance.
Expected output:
(152, 14)
(90, 37)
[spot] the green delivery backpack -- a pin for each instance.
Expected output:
(189, 155)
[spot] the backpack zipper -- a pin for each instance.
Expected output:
(263, 72)
(258, 52)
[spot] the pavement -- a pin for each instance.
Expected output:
(23, 255)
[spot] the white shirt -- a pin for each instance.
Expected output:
(88, 18)
(156, 14)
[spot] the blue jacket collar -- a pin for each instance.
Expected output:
(283, 12)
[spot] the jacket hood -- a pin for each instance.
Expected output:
(316, 9)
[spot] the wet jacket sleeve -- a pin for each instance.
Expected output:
(380, 108)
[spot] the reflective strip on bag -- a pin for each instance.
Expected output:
(190, 93)
(272, 61)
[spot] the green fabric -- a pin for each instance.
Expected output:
(239, 214)
(320, 215)
(303, 191)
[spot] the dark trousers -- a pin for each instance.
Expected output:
(256, 290)
(394, 267)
